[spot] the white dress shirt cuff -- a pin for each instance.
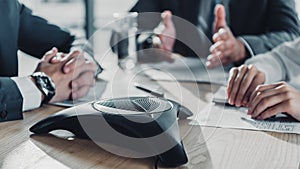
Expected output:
(31, 94)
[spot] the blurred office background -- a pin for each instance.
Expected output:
(71, 14)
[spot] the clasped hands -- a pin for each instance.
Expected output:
(72, 74)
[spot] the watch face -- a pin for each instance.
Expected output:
(48, 83)
(45, 84)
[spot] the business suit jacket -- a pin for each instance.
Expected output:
(21, 30)
(263, 24)
(280, 64)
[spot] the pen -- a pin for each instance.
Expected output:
(222, 102)
(150, 90)
(248, 120)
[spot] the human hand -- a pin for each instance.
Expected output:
(168, 35)
(54, 71)
(242, 82)
(84, 72)
(226, 48)
(163, 43)
(270, 100)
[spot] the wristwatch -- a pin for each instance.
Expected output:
(45, 84)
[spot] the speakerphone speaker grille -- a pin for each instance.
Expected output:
(143, 104)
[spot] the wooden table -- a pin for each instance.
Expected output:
(207, 147)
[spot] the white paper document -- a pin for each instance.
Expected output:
(231, 117)
(186, 69)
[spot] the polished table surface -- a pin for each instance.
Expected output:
(207, 147)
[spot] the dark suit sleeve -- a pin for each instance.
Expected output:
(147, 6)
(146, 20)
(11, 100)
(282, 25)
(37, 36)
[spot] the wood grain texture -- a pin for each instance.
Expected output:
(207, 147)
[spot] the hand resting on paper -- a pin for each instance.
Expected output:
(246, 88)
(269, 100)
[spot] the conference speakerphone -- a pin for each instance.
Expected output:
(146, 126)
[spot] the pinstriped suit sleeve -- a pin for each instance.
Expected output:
(282, 26)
